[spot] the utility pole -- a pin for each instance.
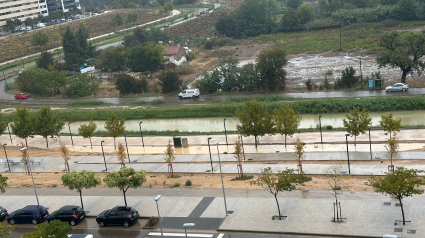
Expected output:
(361, 75)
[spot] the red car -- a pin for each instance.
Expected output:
(21, 96)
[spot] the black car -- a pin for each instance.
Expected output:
(3, 213)
(30, 214)
(119, 215)
(70, 214)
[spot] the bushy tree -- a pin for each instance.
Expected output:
(168, 7)
(227, 25)
(117, 20)
(4, 230)
(127, 84)
(389, 124)
(286, 121)
(3, 184)
(22, 125)
(47, 123)
(357, 122)
(293, 3)
(248, 78)
(228, 73)
(132, 17)
(348, 80)
(145, 58)
(270, 67)
(169, 81)
(87, 131)
(82, 85)
(55, 228)
(79, 180)
(45, 60)
(210, 82)
(114, 126)
(254, 18)
(112, 57)
(299, 153)
(3, 124)
(39, 38)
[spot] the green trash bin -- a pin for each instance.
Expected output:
(177, 141)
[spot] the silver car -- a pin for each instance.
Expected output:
(397, 87)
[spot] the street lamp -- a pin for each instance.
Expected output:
(348, 155)
(222, 183)
(320, 127)
(209, 148)
(186, 225)
(4, 148)
(8, 129)
(225, 131)
(159, 218)
(243, 148)
(125, 138)
(104, 160)
(33, 184)
(370, 144)
(140, 125)
(69, 127)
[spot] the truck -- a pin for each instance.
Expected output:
(190, 93)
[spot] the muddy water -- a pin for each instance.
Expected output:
(215, 124)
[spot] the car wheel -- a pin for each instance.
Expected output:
(11, 221)
(34, 221)
(72, 223)
(403, 90)
(193, 96)
(126, 224)
(101, 224)
(180, 97)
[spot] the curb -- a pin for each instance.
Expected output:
(295, 233)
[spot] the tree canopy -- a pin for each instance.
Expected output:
(55, 228)
(389, 124)
(3, 183)
(39, 38)
(270, 67)
(286, 121)
(22, 123)
(114, 126)
(170, 81)
(357, 122)
(79, 180)
(47, 123)
(87, 131)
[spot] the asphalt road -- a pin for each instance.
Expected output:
(206, 97)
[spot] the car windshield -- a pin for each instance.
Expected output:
(77, 210)
(41, 210)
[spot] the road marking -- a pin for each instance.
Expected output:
(220, 235)
(180, 234)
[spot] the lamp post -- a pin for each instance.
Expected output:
(225, 131)
(159, 218)
(141, 134)
(69, 127)
(104, 160)
(186, 225)
(370, 144)
(33, 184)
(243, 148)
(209, 149)
(4, 148)
(348, 155)
(320, 127)
(125, 138)
(222, 183)
(8, 129)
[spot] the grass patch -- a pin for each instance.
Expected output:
(245, 177)
(153, 102)
(87, 103)
(175, 176)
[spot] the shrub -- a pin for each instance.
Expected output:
(9, 86)
(152, 221)
(188, 183)
(245, 177)
(309, 85)
(329, 127)
(185, 68)
(176, 185)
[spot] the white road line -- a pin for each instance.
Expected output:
(180, 234)
(220, 235)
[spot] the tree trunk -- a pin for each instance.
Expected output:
(47, 143)
(241, 170)
(285, 140)
(26, 144)
(91, 145)
(81, 199)
(115, 147)
(125, 199)
(278, 208)
(404, 75)
(255, 138)
(67, 166)
(355, 139)
(402, 211)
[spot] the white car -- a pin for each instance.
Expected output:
(397, 87)
(189, 93)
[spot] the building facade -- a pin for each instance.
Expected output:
(18, 9)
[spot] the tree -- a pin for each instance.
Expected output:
(47, 123)
(117, 20)
(132, 17)
(3, 183)
(210, 82)
(284, 180)
(121, 154)
(24, 157)
(392, 150)
(348, 80)
(255, 120)
(45, 60)
(87, 131)
(270, 66)
(127, 84)
(227, 25)
(239, 156)
(69, 42)
(399, 184)
(114, 126)
(81, 85)
(55, 228)
(299, 154)
(338, 184)
(228, 73)
(168, 7)
(254, 17)
(65, 154)
(10, 25)
(169, 158)
(404, 52)
(79, 180)
(286, 121)
(357, 122)
(145, 58)
(39, 38)
(4, 230)
(22, 125)
(124, 179)
(112, 57)
(170, 81)
(293, 3)
(389, 124)
(248, 78)
(81, 37)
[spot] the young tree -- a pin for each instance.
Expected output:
(3, 183)
(87, 131)
(55, 228)
(286, 121)
(170, 81)
(132, 17)
(65, 154)
(24, 157)
(299, 154)
(338, 184)
(284, 180)
(399, 184)
(79, 180)
(124, 179)
(168, 7)
(47, 123)
(239, 156)
(357, 122)
(117, 20)
(348, 79)
(115, 127)
(392, 150)
(39, 38)
(270, 66)
(4, 230)
(169, 158)
(255, 120)
(389, 124)
(45, 60)
(22, 125)
(121, 154)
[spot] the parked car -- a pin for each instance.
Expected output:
(3, 213)
(21, 96)
(71, 214)
(397, 87)
(30, 214)
(119, 215)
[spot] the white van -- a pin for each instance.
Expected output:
(189, 93)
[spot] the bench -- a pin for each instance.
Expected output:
(37, 161)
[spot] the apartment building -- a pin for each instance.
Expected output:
(62, 5)
(21, 9)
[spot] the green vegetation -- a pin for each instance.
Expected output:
(188, 183)
(245, 177)
(88, 103)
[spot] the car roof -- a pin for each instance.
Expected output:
(32, 207)
(68, 207)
